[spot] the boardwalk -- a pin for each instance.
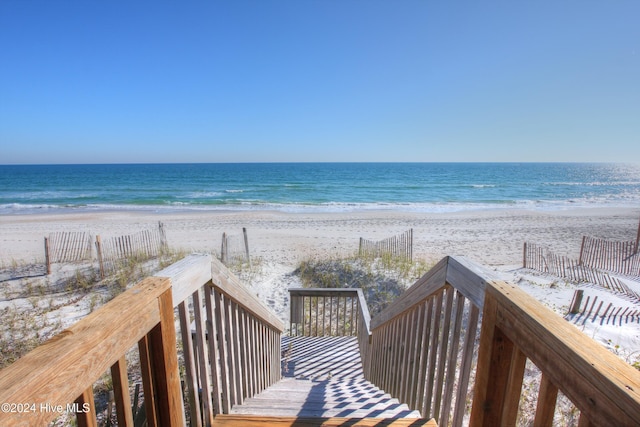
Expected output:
(322, 377)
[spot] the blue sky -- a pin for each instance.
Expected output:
(246, 81)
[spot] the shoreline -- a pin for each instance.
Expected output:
(492, 237)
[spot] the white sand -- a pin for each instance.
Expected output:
(488, 237)
(281, 240)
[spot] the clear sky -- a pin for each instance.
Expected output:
(99, 81)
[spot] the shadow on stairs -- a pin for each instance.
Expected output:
(322, 385)
(258, 421)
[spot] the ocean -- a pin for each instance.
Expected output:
(317, 187)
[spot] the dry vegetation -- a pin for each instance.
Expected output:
(35, 306)
(381, 279)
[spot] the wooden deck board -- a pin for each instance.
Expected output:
(257, 421)
(323, 379)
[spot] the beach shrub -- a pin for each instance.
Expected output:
(381, 279)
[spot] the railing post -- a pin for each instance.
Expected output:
(121, 392)
(495, 356)
(86, 409)
(164, 361)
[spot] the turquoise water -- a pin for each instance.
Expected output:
(325, 187)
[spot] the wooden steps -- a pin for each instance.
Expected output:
(355, 398)
(262, 421)
(323, 383)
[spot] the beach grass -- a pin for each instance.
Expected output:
(381, 279)
(35, 313)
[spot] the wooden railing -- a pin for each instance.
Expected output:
(331, 312)
(424, 348)
(58, 377)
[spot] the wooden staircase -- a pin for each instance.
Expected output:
(322, 385)
(420, 349)
(223, 420)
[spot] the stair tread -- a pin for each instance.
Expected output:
(283, 421)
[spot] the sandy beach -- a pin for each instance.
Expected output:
(280, 241)
(490, 237)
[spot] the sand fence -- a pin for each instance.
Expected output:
(235, 248)
(145, 244)
(74, 247)
(540, 258)
(400, 246)
(581, 313)
(67, 247)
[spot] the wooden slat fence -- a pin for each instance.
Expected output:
(615, 256)
(145, 244)
(230, 342)
(235, 248)
(400, 246)
(542, 259)
(591, 310)
(67, 247)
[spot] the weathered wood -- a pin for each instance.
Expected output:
(465, 369)
(86, 409)
(425, 356)
(233, 288)
(246, 245)
(120, 381)
(191, 373)
(545, 409)
(453, 355)
(83, 352)
(187, 275)
(203, 356)
(601, 385)
(442, 357)
(224, 256)
(148, 386)
(400, 246)
(576, 301)
(100, 257)
(273, 421)
(433, 280)
(223, 353)
(164, 359)
(431, 371)
(213, 349)
(514, 388)
(494, 365)
(637, 240)
(47, 257)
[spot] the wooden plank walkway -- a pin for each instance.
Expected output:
(322, 377)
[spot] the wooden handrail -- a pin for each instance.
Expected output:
(420, 350)
(242, 360)
(604, 388)
(423, 346)
(57, 372)
(230, 285)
